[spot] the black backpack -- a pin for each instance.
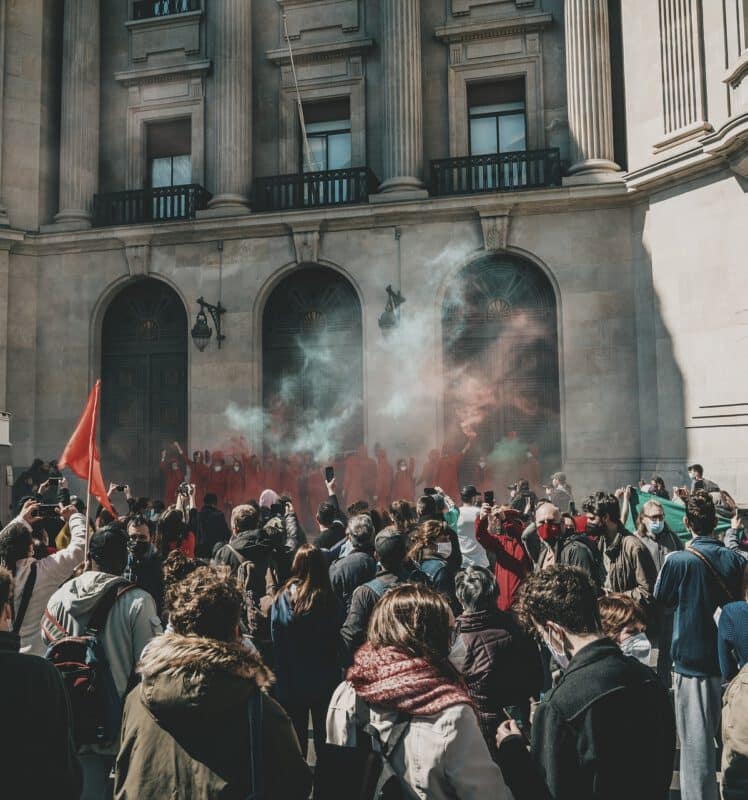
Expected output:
(94, 701)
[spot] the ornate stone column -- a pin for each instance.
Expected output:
(79, 120)
(588, 88)
(403, 99)
(230, 106)
(4, 221)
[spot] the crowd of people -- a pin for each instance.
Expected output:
(467, 643)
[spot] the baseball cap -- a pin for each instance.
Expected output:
(390, 544)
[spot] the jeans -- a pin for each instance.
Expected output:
(96, 783)
(698, 704)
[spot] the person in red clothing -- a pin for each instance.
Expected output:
(499, 531)
(199, 474)
(172, 468)
(235, 485)
(217, 480)
(483, 477)
(360, 477)
(291, 477)
(404, 483)
(383, 490)
(272, 469)
(172, 532)
(449, 464)
(254, 479)
(430, 470)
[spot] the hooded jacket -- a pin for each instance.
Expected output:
(257, 547)
(185, 730)
(131, 623)
(50, 573)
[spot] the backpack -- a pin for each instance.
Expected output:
(25, 599)
(414, 574)
(255, 610)
(380, 781)
(95, 704)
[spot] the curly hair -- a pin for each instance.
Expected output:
(425, 537)
(700, 513)
(403, 515)
(15, 541)
(206, 603)
(561, 594)
(6, 587)
(601, 504)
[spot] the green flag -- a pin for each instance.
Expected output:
(674, 513)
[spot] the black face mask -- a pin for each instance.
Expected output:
(594, 528)
(140, 549)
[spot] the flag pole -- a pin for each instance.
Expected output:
(91, 449)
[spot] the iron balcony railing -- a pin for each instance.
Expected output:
(500, 172)
(165, 204)
(333, 187)
(147, 9)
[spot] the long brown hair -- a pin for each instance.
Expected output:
(310, 576)
(426, 537)
(415, 620)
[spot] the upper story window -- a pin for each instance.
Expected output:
(169, 152)
(497, 117)
(328, 128)
(147, 9)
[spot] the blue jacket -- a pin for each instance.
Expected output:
(305, 650)
(687, 585)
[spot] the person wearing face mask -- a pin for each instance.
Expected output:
(606, 731)
(628, 564)
(36, 709)
(624, 623)
(404, 482)
(499, 531)
(144, 561)
(483, 475)
(435, 547)
(217, 480)
(698, 481)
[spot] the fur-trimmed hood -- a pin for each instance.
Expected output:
(188, 674)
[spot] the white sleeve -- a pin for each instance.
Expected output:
(60, 565)
(468, 765)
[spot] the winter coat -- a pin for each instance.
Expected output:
(735, 739)
(37, 758)
(148, 573)
(131, 623)
(305, 650)
(350, 572)
(605, 732)
(500, 665)
(631, 569)
(661, 546)
(574, 550)
(51, 572)
(440, 757)
(255, 546)
(185, 730)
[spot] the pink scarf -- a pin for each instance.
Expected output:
(392, 679)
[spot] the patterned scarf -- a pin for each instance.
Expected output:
(392, 679)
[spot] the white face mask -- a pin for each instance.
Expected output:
(236, 468)
(637, 646)
(482, 464)
(559, 656)
(403, 467)
(218, 468)
(444, 549)
(655, 526)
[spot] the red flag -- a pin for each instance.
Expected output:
(82, 455)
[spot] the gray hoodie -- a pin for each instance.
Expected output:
(132, 622)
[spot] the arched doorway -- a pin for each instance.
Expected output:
(144, 383)
(501, 361)
(313, 364)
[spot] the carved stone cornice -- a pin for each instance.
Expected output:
(140, 77)
(494, 28)
(325, 51)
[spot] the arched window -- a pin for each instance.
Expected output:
(144, 383)
(501, 365)
(313, 364)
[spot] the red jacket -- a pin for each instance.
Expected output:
(512, 562)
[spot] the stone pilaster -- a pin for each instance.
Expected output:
(403, 99)
(79, 121)
(230, 106)
(4, 221)
(588, 88)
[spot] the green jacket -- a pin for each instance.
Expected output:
(185, 731)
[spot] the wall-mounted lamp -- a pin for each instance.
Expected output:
(391, 316)
(201, 332)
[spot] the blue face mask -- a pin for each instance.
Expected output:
(655, 526)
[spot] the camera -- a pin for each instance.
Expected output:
(184, 489)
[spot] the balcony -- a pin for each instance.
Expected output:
(500, 172)
(165, 204)
(147, 9)
(335, 187)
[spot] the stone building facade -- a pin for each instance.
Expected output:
(575, 173)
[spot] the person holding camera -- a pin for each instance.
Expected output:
(35, 580)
